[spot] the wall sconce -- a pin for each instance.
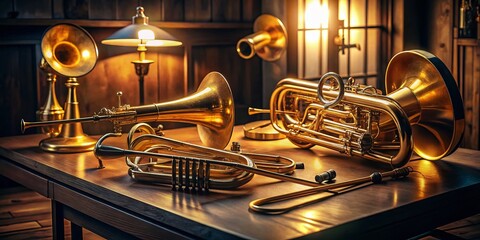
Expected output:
(340, 40)
(141, 35)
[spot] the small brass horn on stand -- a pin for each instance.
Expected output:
(269, 40)
(51, 110)
(70, 51)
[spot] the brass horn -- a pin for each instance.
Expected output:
(423, 111)
(51, 109)
(186, 166)
(211, 108)
(269, 40)
(70, 51)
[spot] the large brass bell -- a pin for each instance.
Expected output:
(422, 84)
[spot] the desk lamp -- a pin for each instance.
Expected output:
(140, 34)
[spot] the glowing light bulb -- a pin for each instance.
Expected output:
(146, 34)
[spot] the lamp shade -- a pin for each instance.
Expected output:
(131, 36)
(140, 32)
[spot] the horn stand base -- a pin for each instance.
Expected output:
(261, 130)
(68, 145)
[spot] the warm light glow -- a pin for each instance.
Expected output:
(146, 34)
(86, 54)
(155, 43)
(48, 53)
(56, 65)
(316, 14)
(312, 41)
(354, 13)
(342, 11)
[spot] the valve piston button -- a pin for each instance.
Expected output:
(366, 142)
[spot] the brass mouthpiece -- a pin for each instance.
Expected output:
(252, 111)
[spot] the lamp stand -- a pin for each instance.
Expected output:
(141, 69)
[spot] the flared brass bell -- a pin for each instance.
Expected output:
(269, 40)
(70, 51)
(427, 92)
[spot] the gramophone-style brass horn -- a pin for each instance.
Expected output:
(211, 108)
(423, 111)
(268, 41)
(70, 51)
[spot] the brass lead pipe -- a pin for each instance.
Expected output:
(95, 118)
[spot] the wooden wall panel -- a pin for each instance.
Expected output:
(466, 70)
(226, 11)
(76, 9)
(244, 79)
(34, 9)
(104, 9)
(251, 9)
(172, 10)
(198, 10)
(18, 83)
(468, 75)
(6, 9)
(127, 8)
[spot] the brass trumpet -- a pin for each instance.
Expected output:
(423, 112)
(211, 108)
(186, 166)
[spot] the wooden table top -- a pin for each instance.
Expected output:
(220, 214)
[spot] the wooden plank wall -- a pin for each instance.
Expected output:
(467, 70)
(176, 72)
